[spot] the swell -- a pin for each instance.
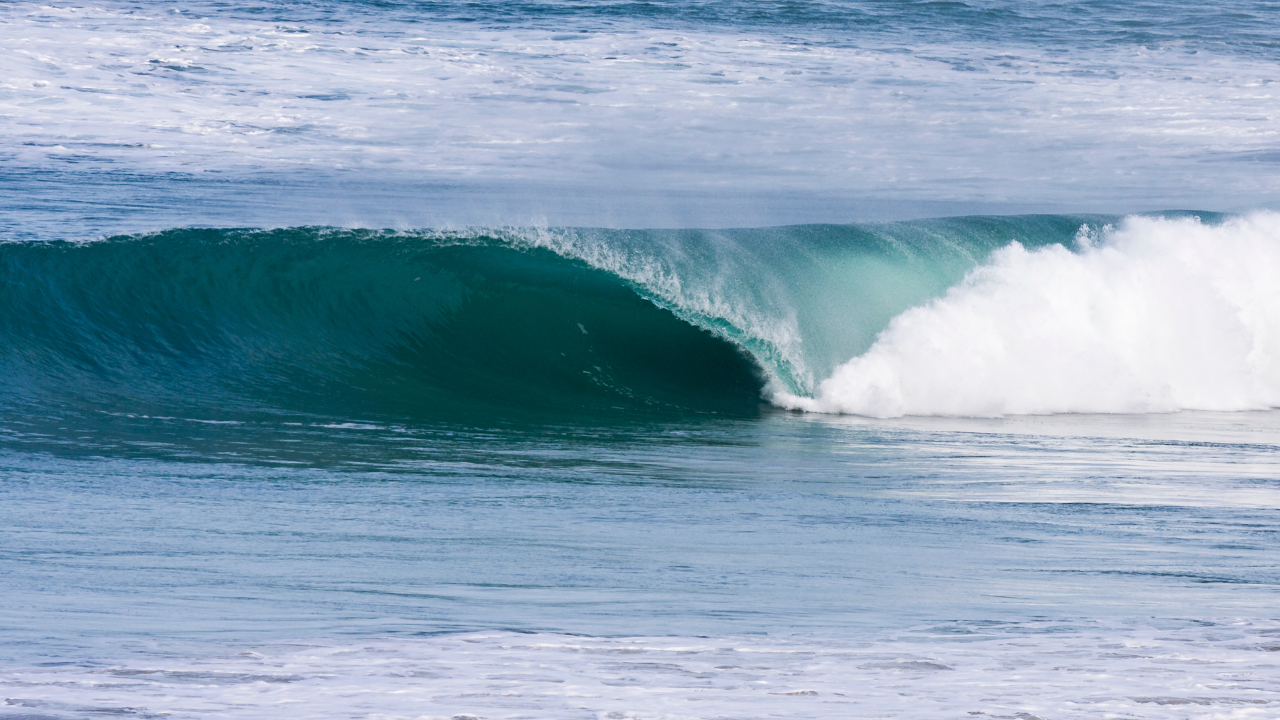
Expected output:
(958, 316)
(347, 323)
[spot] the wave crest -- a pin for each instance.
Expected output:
(1154, 315)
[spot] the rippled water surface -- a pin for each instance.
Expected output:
(1090, 562)
(676, 114)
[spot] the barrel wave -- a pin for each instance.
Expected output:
(227, 322)
(457, 325)
(974, 316)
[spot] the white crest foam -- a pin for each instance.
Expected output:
(1156, 315)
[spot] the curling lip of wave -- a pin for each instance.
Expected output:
(979, 316)
(435, 322)
(1155, 315)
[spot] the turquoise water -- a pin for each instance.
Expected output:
(435, 324)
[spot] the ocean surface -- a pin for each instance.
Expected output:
(639, 360)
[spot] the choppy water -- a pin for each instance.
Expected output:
(146, 116)
(333, 385)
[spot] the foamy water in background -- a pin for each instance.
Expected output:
(552, 113)
(1220, 670)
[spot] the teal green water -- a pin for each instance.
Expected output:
(445, 326)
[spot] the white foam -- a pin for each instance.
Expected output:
(1157, 315)
(118, 86)
(1046, 670)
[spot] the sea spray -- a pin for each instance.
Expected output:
(1154, 315)
(799, 300)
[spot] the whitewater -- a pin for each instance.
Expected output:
(639, 360)
(666, 114)
(1155, 316)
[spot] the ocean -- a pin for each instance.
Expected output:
(633, 360)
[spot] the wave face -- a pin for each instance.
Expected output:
(346, 323)
(963, 316)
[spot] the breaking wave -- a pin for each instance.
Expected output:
(963, 316)
(1155, 315)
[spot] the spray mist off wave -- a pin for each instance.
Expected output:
(1153, 315)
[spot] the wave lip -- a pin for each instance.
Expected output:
(1155, 315)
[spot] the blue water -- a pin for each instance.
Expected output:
(778, 525)
(639, 360)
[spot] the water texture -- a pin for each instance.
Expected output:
(639, 360)
(677, 114)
